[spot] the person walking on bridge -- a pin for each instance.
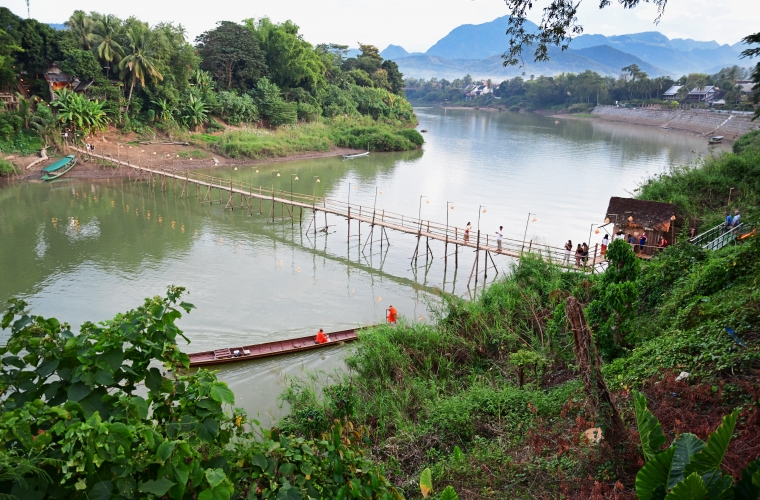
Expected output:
(467, 232)
(499, 235)
(737, 219)
(392, 315)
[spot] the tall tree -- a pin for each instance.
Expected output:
(395, 77)
(81, 25)
(232, 54)
(140, 62)
(104, 37)
(291, 61)
(753, 52)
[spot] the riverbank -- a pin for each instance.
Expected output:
(696, 121)
(249, 146)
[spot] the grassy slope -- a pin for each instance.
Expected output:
(425, 390)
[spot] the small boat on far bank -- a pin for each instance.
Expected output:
(256, 351)
(59, 168)
(716, 139)
(358, 155)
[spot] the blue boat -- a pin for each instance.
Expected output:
(58, 168)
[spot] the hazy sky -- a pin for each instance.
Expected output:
(414, 24)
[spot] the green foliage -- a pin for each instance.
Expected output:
(615, 299)
(749, 141)
(6, 168)
(78, 112)
(232, 54)
(689, 468)
(74, 420)
(236, 109)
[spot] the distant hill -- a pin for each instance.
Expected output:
(604, 60)
(678, 56)
(394, 52)
(470, 48)
(475, 41)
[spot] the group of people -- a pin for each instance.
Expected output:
(732, 222)
(323, 338)
(581, 254)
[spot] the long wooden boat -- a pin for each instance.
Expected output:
(256, 351)
(716, 139)
(58, 168)
(358, 155)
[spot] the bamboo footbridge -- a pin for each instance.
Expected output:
(378, 219)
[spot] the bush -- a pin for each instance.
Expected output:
(749, 141)
(6, 168)
(235, 109)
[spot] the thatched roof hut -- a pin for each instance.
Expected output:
(635, 217)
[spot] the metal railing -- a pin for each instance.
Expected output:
(718, 236)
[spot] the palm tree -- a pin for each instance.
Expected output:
(81, 25)
(105, 32)
(140, 61)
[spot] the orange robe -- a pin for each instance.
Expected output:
(392, 315)
(321, 338)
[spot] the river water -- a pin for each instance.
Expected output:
(85, 250)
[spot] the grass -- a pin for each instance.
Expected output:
(195, 153)
(354, 132)
(24, 142)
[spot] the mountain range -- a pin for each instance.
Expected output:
(476, 50)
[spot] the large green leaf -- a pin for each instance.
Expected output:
(159, 487)
(746, 488)
(426, 483)
(101, 491)
(654, 474)
(165, 450)
(153, 379)
(104, 377)
(711, 456)
(208, 430)
(215, 477)
(221, 393)
(449, 494)
(78, 391)
(650, 431)
(691, 488)
(114, 358)
(686, 445)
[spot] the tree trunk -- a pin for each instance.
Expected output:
(131, 88)
(589, 368)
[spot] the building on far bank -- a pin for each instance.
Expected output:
(58, 80)
(745, 86)
(703, 94)
(634, 217)
(670, 94)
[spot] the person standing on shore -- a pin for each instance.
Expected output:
(585, 254)
(568, 249)
(578, 255)
(499, 236)
(392, 315)
(605, 243)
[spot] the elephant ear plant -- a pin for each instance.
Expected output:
(689, 469)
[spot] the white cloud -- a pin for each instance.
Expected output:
(415, 24)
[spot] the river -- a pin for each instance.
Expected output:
(85, 250)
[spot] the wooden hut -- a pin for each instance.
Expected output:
(634, 217)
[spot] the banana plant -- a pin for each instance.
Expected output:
(426, 487)
(689, 469)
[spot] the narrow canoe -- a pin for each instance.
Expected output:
(256, 351)
(715, 139)
(58, 168)
(359, 155)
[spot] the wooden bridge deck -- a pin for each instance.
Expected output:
(369, 215)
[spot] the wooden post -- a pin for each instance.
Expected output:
(593, 262)
(349, 224)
